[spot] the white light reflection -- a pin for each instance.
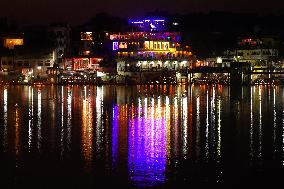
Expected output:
(17, 135)
(197, 127)
(274, 120)
(62, 122)
(140, 111)
(207, 126)
(251, 122)
(99, 126)
(69, 117)
(5, 119)
(184, 128)
(159, 110)
(213, 109)
(260, 122)
(145, 108)
(87, 131)
(39, 119)
(30, 132)
(219, 130)
(175, 129)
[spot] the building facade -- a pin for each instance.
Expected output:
(60, 35)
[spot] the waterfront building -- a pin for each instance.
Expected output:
(80, 69)
(150, 53)
(33, 65)
(259, 51)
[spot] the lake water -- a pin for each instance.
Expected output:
(140, 136)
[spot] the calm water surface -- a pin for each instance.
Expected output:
(140, 136)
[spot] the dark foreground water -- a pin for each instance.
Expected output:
(140, 136)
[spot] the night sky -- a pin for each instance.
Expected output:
(78, 11)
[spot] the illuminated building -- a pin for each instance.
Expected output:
(86, 44)
(258, 51)
(154, 51)
(33, 64)
(81, 69)
(76, 63)
(149, 24)
(10, 43)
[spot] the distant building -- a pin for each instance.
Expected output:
(82, 63)
(60, 35)
(258, 51)
(13, 40)
(10, 43)
(31, 63)
(7, 63)
(87, 43)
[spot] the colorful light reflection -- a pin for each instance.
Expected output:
(147, 146)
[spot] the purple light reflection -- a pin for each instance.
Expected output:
(147, 149)
(114, 137)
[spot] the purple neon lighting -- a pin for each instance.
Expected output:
(156, 24)
(115, 46)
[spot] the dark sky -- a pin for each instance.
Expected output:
(78, 11)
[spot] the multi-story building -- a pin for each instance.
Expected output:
(33, 65)
(257, 51)
(86, 44)
(146, 55)
(60, 35)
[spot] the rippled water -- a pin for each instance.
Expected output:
(140, 136)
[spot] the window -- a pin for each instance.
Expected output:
(60, 44)
(4, 63)
(59, 34)
(47, 64)
(40, 64)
